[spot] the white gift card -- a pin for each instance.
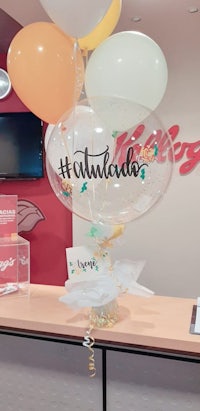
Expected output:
(86, 263)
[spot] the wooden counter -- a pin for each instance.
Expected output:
(156, 323)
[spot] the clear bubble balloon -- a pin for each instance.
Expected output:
(105, 175)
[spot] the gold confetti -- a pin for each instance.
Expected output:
(105, 316)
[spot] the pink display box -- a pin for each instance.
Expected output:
(14, 266)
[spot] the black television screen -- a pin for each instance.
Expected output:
(21, 146)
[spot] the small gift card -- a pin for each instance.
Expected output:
(86, 263)
(8, 215)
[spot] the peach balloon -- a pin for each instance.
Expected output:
(46, 69)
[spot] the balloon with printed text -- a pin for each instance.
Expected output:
(104, 175)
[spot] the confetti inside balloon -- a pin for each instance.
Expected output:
(110, 176)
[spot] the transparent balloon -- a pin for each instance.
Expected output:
(104, 175)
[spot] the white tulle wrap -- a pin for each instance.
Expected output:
(107, 286)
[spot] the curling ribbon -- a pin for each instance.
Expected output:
(89, 342)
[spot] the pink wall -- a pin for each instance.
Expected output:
(50, 236)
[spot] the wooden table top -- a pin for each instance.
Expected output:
(155, 322)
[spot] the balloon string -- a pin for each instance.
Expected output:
(76, 46)
(77, 70)
(76, 87)
(85, 60)
(102, 318)
(88, 343)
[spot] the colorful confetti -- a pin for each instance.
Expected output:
(114, 134)
(66, 193)
(93, 232)
(67, 187)
(142, 174)
(155, 150)
(84, 187)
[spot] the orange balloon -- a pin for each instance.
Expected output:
(46, 70)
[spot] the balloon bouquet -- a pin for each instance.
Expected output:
(108, 158)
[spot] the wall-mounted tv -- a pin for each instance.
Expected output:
(21, 146)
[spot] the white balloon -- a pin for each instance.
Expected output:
(129, 65)
(75, 17)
